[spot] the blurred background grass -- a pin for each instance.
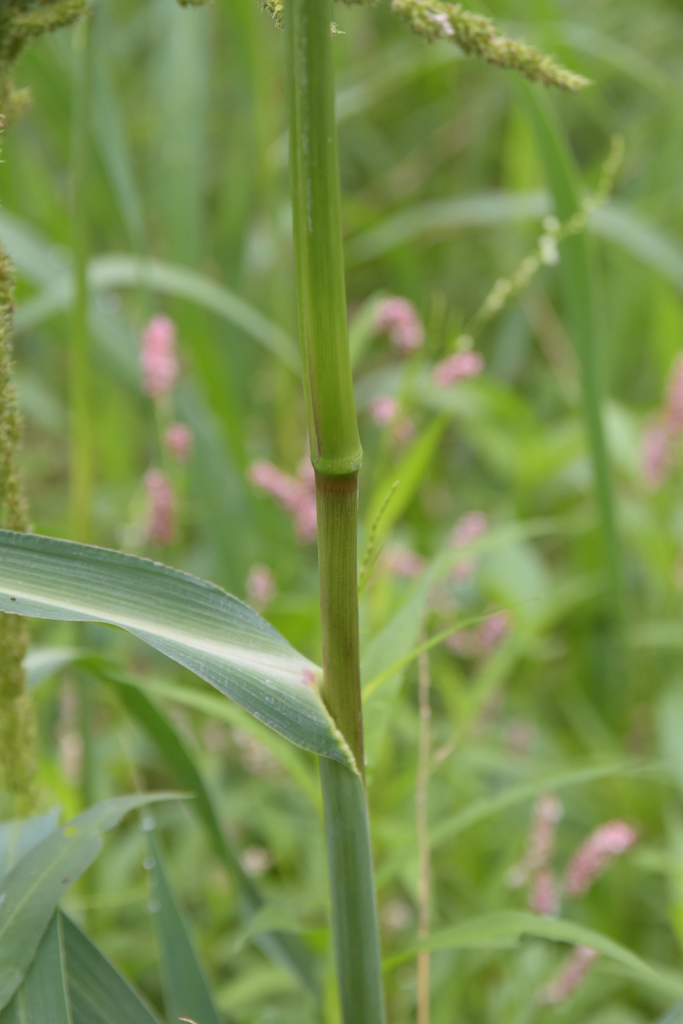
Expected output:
(445, 184)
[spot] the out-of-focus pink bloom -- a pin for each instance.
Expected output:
(306, 519)
(383, 409)
(161, 524)
(457, 367)
(404, 430)
(674, 403)
(260, 586)
(541, 844)
(463, 642)
(284, 488)
(469, 528)
(179, 439)
(295, 493)
(570, 976)
(543, 895)
(404, 562)
(597, 851)
(655, 454)
(492, 630)
(399, 318)
(158, 357)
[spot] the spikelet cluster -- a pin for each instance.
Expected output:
(479, 37)
(17, 726)
(20, 22)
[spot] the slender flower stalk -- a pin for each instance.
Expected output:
(424, 854)
(336, 456)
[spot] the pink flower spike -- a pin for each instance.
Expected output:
(543, 896)
(570, 977)
(383, 409)
(286, 489)
(260, 586)
(541, 843)
(404, 562)
(470, 527)
(306, 520)
(457, 367)
(492, 631)
(399, 318)
(655, 455)
(674, 404)
(161, 525)
(595, 853)
(158, 358)
(179, 440)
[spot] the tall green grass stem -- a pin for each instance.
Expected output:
(336, 455)
(354, 917)
(337, 505)
(321, 293)
(80, 433)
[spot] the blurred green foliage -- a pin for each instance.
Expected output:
(444, 189)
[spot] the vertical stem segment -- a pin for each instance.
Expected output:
(80, 470)
(336, 456)
(337, 505)
(328, 384)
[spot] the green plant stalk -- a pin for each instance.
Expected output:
(336, 455)
(80, 434)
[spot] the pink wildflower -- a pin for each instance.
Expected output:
(463, 642)
(655, 455)
(284, 488)
(600, 848)
(492, 630)
(457, 367)
(399, 318)
(404, 562)
(158, 358)
(674, 404)
(295, 493)
(161, 526)
(469, 528)
(383, 409)
(179, 439)
(541, 844)
(570, 977)
(260, 586)
(543, 895)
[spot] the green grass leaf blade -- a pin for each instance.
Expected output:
(490, 929)
(32, 889)
(18, 837)
(577, 284)
(43, 995)
(191, 621)
(287, 950)
(99, 994)
(186, 990)
(512, 796)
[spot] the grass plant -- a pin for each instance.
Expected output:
(438, 775)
